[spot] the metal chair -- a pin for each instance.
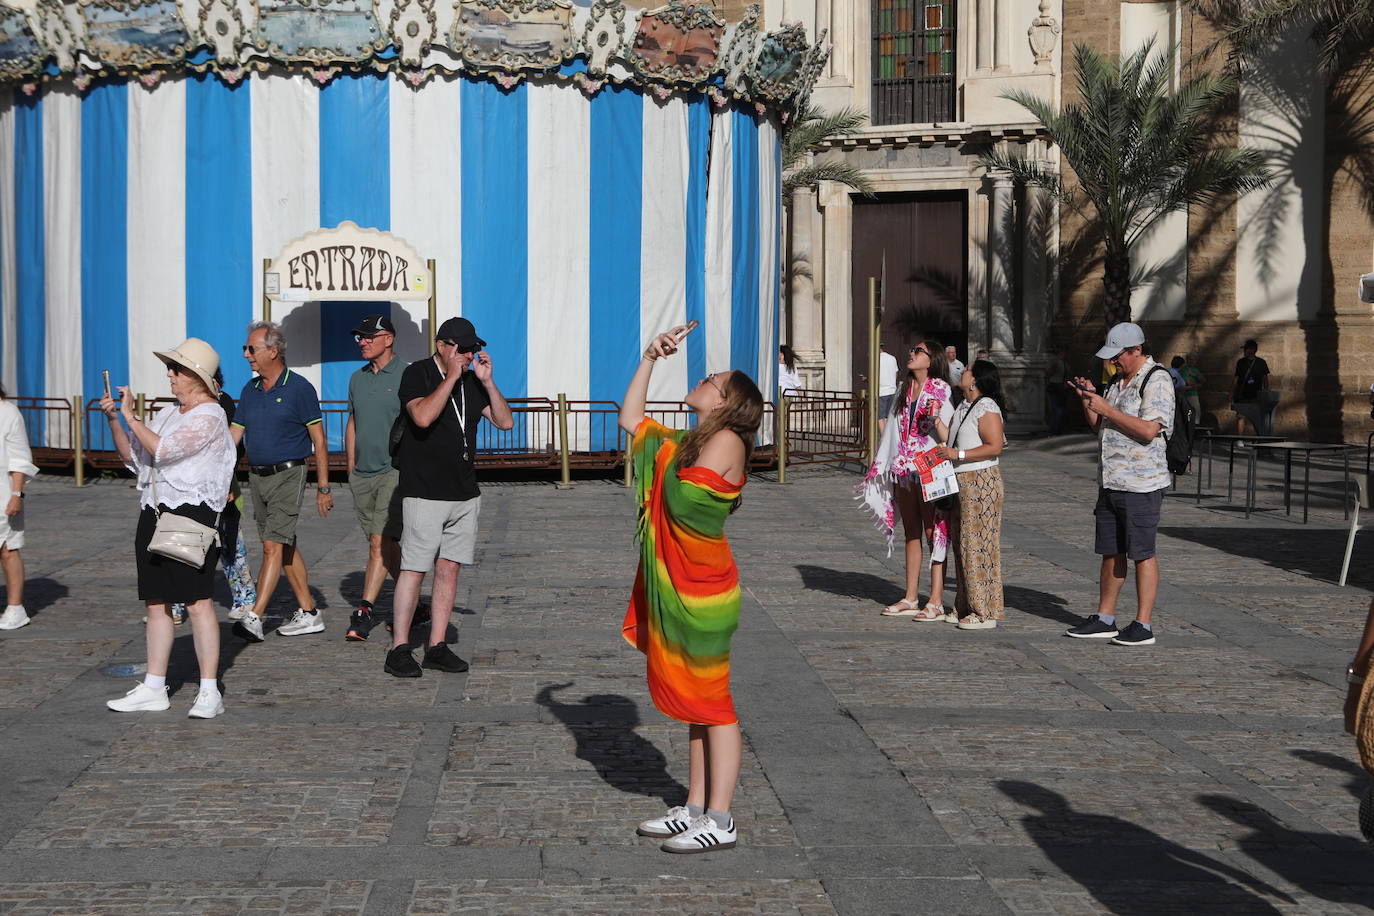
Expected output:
(1362, 494)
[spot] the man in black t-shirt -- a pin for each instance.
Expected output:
(443, 398)
(1252, 377)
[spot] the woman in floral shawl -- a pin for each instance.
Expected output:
(922, 397)
(686, 598)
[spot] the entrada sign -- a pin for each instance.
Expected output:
(347, 262)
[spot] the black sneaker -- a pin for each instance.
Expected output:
(1135, 635)
(400, 663)
(441, 657)
(1092, 628)
(359, 625)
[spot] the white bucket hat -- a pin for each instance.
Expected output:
(197, 356)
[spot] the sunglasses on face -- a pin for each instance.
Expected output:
(469, 348)
(915, 350)
(359, 338)
(250, 349)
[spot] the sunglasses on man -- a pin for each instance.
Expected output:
(466, 348)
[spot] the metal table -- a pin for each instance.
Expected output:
(1288, 448)
(1231, 457)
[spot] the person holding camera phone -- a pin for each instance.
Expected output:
(1131, 419)
(443, 399)
(922, 401)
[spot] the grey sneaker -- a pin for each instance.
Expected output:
(302, 623)
(250, 627)
(238, 612)
(672, 823)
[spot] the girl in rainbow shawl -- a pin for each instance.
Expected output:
(685, 603)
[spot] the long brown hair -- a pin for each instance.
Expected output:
(939, 368)
(741, 413)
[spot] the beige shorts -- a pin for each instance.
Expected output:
(277, 503)
(12, 530)
(376, 503)
(438, 528)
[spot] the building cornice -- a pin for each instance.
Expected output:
(898, 136)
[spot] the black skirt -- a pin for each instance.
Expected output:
(164, 580)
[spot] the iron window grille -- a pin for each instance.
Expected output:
(913, 61)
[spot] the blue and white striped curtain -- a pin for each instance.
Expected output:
(567, 229)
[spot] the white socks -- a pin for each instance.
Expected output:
(154, 681)
(209, 683)
(15, 607)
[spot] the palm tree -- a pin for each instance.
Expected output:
(808, 132)
(1138, 150)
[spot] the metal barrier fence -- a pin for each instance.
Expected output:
(820, 427)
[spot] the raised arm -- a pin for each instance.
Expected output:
(497, 411)
(425, 410)
(121, 438)
(632, 405)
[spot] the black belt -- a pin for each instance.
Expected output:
(267, 470)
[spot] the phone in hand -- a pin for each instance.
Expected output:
(105, 373)
(688, 328)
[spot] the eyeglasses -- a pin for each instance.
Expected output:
(250, 349)
(711, 380)
(359, 338)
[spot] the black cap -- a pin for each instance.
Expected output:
(461, 332)
(375, 324)
(1249, 345)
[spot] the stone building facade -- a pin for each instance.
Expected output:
(972, 259)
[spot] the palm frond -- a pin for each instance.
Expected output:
(827, 170)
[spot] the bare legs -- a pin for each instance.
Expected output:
(403, 606)
(383, 558)
(13, 563)
(918, 519)
(715, 752)
(441, 598)
(204, 632)
(278, 558)
(1113, 577)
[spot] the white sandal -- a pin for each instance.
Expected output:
(903, 608)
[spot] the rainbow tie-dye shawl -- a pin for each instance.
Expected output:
(685, 603)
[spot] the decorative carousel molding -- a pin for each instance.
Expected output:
(675, 47)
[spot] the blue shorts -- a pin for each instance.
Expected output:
(1127, 522)
(885, 404)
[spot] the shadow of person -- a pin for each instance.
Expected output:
(40, 594)
(603, 725)
(1038, 603)
(1111, 858)
(184, 668)
(1325, 865)
(1358, 777)
(849, 584)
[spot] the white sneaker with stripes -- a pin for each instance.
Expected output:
(671, 824)
(703, 835)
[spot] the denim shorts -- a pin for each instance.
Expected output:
(1126, 523)
(885, 404)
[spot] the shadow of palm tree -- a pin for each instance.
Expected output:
(1110, 857)
(849, 584)
(603, 725)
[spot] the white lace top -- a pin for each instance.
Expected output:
(195, 458)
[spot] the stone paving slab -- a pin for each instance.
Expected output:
(889, 766)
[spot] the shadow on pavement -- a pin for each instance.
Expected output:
(1327, 869)
(1309, 551)
(1077, 843)
(1038, 603)
(849, 584)
(41, 593)
(183, 668)
(604, 727)
(1358, 777)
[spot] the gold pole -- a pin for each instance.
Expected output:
(566, 483)
(433, 308)
(873, 342)
(629, 470)
(782, 437)
(139, 405)
(78, 452)
(266, 299)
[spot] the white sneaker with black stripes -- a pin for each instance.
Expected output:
(704, 835)
(671, 824)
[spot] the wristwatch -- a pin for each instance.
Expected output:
(1351, 677)
(325, 490)
(961, 454)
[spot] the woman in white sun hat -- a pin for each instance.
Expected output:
(17, 461)
(190, 447)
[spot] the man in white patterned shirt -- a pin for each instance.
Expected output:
(1131, 418)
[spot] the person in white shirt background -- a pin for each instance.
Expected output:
(887, 385)
(789, 380)
(17, 460)
(956, 368)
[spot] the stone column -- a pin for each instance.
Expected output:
(983, 29)
(1001, 241)
(803, 267)
(1001, 51)
(837, 227)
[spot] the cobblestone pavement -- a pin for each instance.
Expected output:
(890, 767)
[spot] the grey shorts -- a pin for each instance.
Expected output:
(438, 528)
(1127, 522)
(885, 405)
(277, 503)
(376, 503)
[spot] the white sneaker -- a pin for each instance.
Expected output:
(141, 699)
(702, 836)
(302, 623)
(237, 613)
(671, 824)
(208, 704)
(14, 617)
(250, 627)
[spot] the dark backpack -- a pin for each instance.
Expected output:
(1178, 446)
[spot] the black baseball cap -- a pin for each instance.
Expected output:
(461, 332)
(375, 324)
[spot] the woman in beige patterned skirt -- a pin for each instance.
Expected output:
(973, 440)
